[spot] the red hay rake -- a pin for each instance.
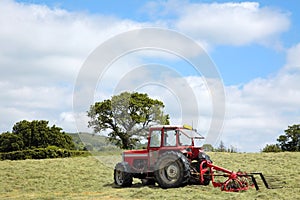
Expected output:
(234, 182)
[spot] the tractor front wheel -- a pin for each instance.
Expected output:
(122, 175)
(172, 170)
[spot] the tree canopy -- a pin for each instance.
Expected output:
(271, 148)
(35, 134)
(126, 116)
(290, 141)
(208, 147)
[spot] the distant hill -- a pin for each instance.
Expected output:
(89, 141)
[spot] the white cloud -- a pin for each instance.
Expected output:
(31, 102)
(39, 41)
(224, 23)
(74, 122)
(293, 61)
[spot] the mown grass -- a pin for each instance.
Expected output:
(92, 178)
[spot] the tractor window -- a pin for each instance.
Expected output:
(155, 139)
(169, 137)
(184, 140)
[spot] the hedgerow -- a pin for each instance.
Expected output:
(42, 153)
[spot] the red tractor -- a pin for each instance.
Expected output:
(173, 159)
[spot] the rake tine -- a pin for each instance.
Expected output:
(262, 178)
(254, 182)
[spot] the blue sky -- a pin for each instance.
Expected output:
(254, 45)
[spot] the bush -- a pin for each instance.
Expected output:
(42, 153)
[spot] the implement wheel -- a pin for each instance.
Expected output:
(122, 175)
(172, 170)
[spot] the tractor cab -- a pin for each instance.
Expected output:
(173, 136)
(176, 138)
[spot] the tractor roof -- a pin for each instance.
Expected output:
(173, 126)
(167, 126)
(189, 131)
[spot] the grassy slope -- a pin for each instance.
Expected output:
(90, 178)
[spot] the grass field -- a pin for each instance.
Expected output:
(91, 178)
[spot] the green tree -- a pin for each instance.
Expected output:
(34, 134)
(291, 140)
(208, 147)
(271, 148)
(126, 116)
(10, 142)
(221, 147)
(232, 149)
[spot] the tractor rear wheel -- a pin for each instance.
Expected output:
(172, 170)
(122, 175)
